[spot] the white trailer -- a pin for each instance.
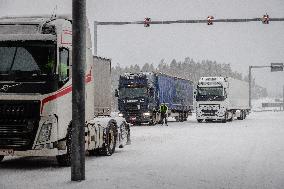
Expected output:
(221, 99)
(36, 91)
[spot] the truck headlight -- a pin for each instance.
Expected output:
(120, 115)
(45, 132)
(146, 113)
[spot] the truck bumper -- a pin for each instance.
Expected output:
(217, 116)
(42, 152)
(211, 117)
(137, 119)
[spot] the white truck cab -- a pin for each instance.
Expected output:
(221, 99)
(36, 91)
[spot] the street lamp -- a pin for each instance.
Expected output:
(275, 67)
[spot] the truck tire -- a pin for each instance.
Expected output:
(199, 120)
(1, 158)
(110, 141)
(225, 118)
(177, 118)
(182, 117)
(185, 117)
(65, 159)
(231, 119)
(241, 116)
(152, 120)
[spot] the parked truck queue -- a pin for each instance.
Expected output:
(215, 98)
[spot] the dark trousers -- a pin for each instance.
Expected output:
(164, 117)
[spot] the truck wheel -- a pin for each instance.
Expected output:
(110, 141)
(65, 159)
(241, 115)
(1, 158)
(181, 117)
(185, 117)
(154, 118)
(199, 120)
(239, 118)
(231, 119)
(177, 118)
(225, 118)
(152, 121)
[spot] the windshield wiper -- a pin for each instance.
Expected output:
(14, 57)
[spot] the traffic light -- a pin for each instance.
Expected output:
(147, 22)
(276, 67)
(265, 19)
(210, 20)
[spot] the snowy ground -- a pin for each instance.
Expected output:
(241, 154)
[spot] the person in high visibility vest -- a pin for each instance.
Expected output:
(164, 112)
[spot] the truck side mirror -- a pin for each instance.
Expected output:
(225, 93)
(116, 93)
(194, 94)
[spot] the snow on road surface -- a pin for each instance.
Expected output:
(239, 154)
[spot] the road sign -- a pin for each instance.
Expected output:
(276, 67)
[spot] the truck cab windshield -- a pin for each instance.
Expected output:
(209, 94)
(26, 61)
(128, 92)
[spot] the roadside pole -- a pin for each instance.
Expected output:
(250, 87)
(78, 90)
(95, 38)
(283, 98)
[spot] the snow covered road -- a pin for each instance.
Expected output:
(239, 154)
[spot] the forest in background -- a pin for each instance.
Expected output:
(188, 69)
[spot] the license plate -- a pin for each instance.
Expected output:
(6, 152)
(133, 118)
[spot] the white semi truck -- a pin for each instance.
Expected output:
(221, 99)
(36, 91)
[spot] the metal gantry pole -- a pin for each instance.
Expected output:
(283, 98)
(78, 90)
(250, 86)
(250, 81)
(95, 38)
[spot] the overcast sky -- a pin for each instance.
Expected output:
(240, 44)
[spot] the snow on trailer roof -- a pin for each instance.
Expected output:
(102, 58)
(213, 79)
(32, 19)
(151, 73)
(27, 37)
(176, 77)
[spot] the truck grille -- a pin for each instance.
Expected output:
(18, 124)
(209, 112)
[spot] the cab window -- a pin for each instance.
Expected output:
(63, 69)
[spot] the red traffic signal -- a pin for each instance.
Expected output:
(147, 22)
(265, 19)
(210, 20)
